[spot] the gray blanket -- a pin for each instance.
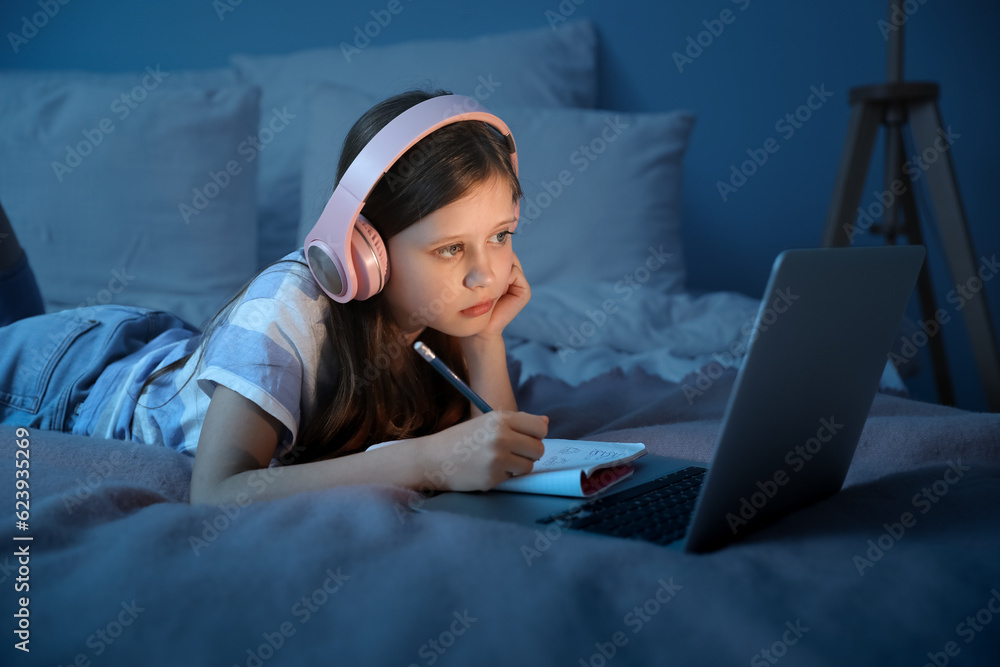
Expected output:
(121, 571)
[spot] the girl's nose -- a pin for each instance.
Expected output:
(480, 273)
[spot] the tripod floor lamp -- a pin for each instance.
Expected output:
(897, 106)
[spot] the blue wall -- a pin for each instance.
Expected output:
(761, 66)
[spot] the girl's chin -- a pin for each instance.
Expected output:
(459, 328)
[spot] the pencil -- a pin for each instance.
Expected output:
(450, 376)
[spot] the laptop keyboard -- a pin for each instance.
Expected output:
(657, 511)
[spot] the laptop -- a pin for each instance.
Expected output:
(794, 417)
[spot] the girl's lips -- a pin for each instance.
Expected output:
(478, 309)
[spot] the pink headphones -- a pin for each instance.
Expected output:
(341, 225)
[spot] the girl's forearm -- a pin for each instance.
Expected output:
(488, 374)
(399, 465)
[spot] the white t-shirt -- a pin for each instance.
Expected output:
(273, 347)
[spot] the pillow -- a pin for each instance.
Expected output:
(602, 189)
(543, 67)
(331, 110)
(132, 188)
(602, 195)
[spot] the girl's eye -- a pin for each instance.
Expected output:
(502, 237)
(450, 250)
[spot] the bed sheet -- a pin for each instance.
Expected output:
(575, 334)
(123, 572)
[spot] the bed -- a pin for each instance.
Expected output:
(900, 567)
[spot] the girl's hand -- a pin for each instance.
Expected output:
(510, 303)
(478, 454)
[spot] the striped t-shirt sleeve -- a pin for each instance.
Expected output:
(270, 347)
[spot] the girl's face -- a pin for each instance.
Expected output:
(448, 269)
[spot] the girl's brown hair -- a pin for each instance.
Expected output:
(383, 391)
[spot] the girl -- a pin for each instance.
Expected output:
(283, 374)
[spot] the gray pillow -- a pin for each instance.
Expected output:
(131, 188)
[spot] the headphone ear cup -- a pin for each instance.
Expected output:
(371, 261)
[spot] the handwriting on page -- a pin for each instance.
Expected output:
(568, 454)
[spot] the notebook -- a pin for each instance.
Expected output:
(816, 354)
(577, 468)
(573, 468)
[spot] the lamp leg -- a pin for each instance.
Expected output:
(861, 131)
(929, 134)
(925, 288)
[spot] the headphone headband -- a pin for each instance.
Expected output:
(328, 246)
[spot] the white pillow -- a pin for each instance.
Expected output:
(602, 189)
(95, 171)
(543, 67)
